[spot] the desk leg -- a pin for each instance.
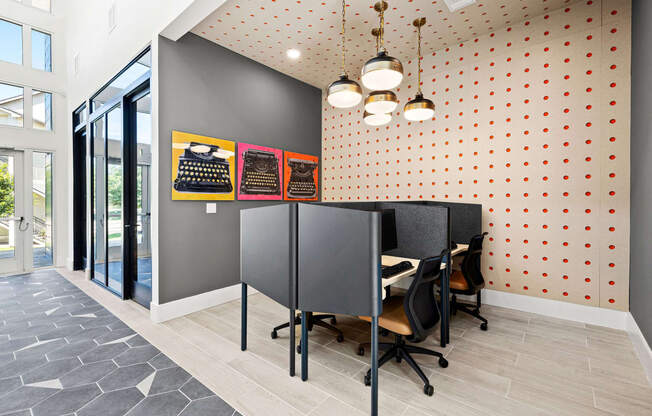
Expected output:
(292, 341)
(304, 346)
(243, 320)
(374, 366)
(449, 269)
(445, 287)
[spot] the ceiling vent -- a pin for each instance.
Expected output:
(455, 5)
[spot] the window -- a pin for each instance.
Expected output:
(42, 208)
(11, 105)
(79, 116)
(41, 4)
(128, 76)
(11, 42)
(41, 110)
(41, 51)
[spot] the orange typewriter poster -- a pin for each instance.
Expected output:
(301, 177)
(203, 168)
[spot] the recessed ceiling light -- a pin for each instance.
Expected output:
(455, 5)
(293, 53)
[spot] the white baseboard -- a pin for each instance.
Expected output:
(640, 345)
(557, 309)
(175, 309)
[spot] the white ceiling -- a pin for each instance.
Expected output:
(264, 30)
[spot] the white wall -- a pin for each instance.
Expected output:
(26, 138)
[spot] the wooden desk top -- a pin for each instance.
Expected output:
(392, 260)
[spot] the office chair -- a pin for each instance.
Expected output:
(313, 320)
(469, 281)
(412, 318)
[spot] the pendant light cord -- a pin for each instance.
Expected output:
(382, 26)
(419, 60)
(344, 37)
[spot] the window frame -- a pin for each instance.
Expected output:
(22, 41)
(31, 38)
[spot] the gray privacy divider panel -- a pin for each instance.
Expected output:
(339, 260)
(466, 220)
(421, 230)
(268, 251)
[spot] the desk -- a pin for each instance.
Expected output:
(445, 289)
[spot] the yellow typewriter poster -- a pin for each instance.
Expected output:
(203, 168)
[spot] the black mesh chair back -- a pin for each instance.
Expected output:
(471, 267)
(420, 303)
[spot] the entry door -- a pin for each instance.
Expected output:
(14, 224)
(140, 122)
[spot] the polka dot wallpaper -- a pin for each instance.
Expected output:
(532, 122)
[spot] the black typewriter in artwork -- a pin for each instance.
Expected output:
(200, 170)
(260, 173)
(302, 179)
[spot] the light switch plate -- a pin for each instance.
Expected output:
(211, 208)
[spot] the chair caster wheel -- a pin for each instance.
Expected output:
(398, 360)
(483, 326)
(340, 338)
(360, 351)
(274, 334)
(443, 363)
(428, 390)
(299, 349)
(333, 321)
(367, 380)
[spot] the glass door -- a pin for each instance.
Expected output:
(13, 222)
(42, 250)
(107, 200)
(140, 116)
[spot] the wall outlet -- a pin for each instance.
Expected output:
(211, 208)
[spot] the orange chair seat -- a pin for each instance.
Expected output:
(393, 317)
(457, 281)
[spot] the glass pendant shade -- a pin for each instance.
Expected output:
(380, 102)
(376, 119)
(419, 109)
(382, 72)
(344, 93)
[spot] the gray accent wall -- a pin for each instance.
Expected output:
(640, 269)
(209, 90)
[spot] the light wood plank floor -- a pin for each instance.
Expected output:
(526, 364)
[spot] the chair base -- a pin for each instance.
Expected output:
(313, 320)
(473, 310)
(400, 351)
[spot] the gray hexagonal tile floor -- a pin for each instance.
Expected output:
(62, 353)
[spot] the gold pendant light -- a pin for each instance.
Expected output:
(382, 72)
(380, 102)
(344, 93)
(419, 109)
(376, 119)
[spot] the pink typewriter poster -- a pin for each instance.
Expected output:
(259, 172)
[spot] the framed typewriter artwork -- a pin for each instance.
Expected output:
(259, 172)
(301, 174)
(202, 168)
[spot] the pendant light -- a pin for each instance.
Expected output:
(419, 108)
(344, 93)
(376, 119)
(380, 101)
(382, 72)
